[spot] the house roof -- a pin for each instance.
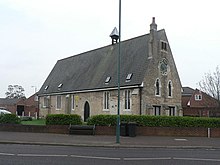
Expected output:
(187, 91)
(89, 70)
(7, 101)
(188, 99)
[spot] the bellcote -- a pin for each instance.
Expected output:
(114, 36)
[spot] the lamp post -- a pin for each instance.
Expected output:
(35, 88)
(119, 63)
(115, 35)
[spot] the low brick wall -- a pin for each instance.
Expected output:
(215, 132)
(106, 130)
(163, 131)
(60, 129)
(171, 131)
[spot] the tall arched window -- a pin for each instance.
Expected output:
(170, 89)
(157, 85)
(127, 99)
(106, 100)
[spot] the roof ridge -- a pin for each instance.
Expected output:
(107, 46)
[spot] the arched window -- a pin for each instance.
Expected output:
(157, 85)
(106, 100)
(127, 99)
(170, 89)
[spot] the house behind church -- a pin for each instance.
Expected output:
(86, 84)
(198, 103)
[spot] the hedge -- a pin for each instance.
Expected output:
(9, 119)
(63, 119)
(156, 121)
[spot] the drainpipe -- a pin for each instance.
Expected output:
(140, 93)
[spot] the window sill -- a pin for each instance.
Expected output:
(127, 110)
(158, 95)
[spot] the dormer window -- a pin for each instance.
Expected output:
(107, 80)
(163, 46)
(129, 76)
(60, 85)
(198, 97)
(46, 87)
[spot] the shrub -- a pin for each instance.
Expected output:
(156, 121)
(9, 119)
(63, 119)
(102, 120)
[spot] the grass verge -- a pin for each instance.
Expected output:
(34, 122)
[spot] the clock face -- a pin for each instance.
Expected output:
(163, 65)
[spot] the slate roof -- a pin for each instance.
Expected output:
(7, 101)
(187, 91)
(89, 70)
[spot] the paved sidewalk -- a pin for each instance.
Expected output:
(108, 141)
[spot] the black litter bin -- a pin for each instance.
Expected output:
(124, 129)
(131, 129)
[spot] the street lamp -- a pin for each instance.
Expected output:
(119, 63)
(115, 35)
(35, 88)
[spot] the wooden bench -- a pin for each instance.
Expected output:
(82, 129)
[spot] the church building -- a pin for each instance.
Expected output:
(87, 83)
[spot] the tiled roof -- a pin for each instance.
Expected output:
(7, 101)
(206, 100)
(89, 70)
(187, 91)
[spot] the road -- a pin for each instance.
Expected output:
(11, 154)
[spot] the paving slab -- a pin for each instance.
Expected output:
(107, 141)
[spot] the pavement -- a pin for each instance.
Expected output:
(108, 141)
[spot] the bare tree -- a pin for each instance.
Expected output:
(15, 91)
(211, 84)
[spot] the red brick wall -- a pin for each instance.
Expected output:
(163, 131)
(215, 132)
(171, 131)
(105, 130)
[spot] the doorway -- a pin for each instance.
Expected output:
(20, 110)
(86, 111)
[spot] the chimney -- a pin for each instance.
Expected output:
(114, 35)
(153, 25)
(153, 39)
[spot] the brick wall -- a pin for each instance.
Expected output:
(105, 130)
(163, 131)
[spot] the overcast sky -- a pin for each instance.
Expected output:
(34, 34)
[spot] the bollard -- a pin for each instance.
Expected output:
(209, 133)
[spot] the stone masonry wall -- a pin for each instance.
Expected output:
(95, 100)
(150, 99)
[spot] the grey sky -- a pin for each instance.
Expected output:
(34, 34)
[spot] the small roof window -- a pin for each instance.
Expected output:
(107, 80)
(46, 87)
(129, 76)
(60, 85)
